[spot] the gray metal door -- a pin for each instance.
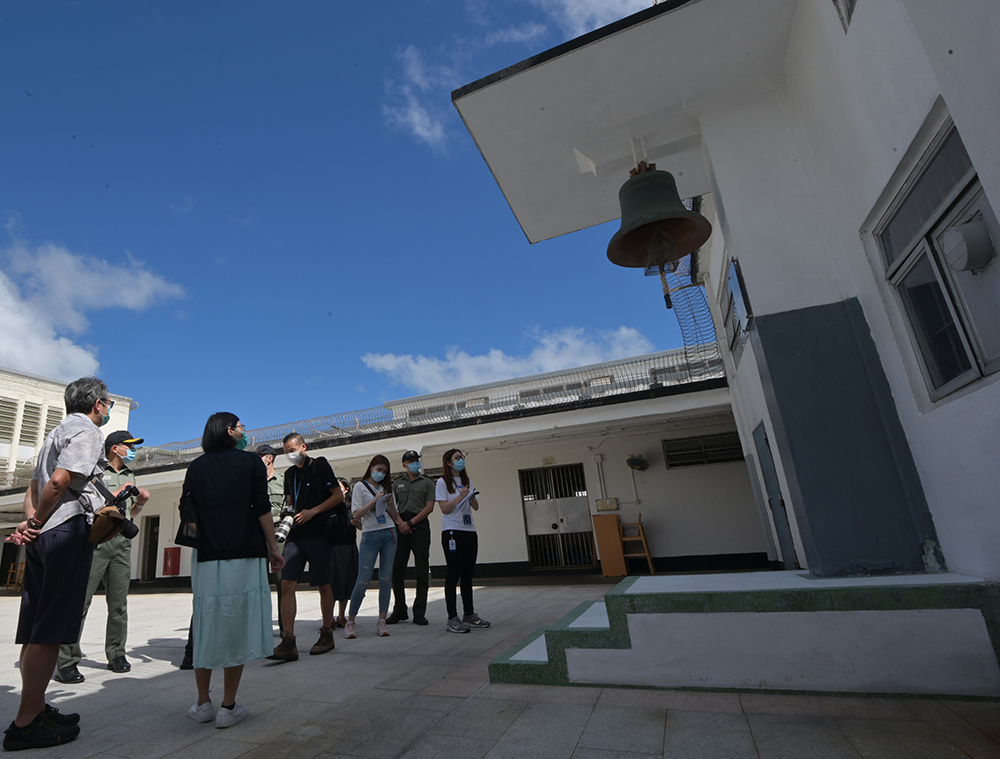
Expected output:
(557, 517)
(774, 500)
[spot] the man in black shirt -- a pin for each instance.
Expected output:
(311, 489)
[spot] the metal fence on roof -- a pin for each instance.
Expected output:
(678, 367)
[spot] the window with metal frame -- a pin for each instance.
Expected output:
(705, 449)
(951, 303)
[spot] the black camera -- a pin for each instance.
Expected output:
(130, 530)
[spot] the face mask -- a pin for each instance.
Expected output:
(414, 467)
(377, 475)
(243, 441)
(458, 466)
(129, 454)
(294, 457)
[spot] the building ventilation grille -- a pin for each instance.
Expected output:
(707, 449)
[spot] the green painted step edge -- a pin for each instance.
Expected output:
(619, 604)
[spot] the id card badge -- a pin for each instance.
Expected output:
(452, 548)
(467, 519)
(380, 519)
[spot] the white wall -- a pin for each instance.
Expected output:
(702, 510)
(814, 158)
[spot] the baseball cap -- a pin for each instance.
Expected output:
(265, 450)
(410, 456)
(121, 437)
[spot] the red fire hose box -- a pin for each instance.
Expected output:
(172, 561)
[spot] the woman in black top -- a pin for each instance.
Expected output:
(344, 555)
(225, 504)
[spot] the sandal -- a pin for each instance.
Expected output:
(340, 622)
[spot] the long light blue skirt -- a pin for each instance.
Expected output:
(232, 612)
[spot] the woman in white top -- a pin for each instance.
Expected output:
(378, 516)
(456, 495)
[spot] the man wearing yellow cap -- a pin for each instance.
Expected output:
(112, 564)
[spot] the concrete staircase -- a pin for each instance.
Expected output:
(935, 634)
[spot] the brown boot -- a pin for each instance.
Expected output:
(286, 650)
(325, 642)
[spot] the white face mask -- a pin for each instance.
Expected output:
(294, 457)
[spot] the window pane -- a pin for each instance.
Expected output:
(938, 180)
(980, 289)
(937, 335)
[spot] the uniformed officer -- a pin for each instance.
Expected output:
(276, 495)
(112, 564)
(414, 493)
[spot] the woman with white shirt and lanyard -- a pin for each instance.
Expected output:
(378, 541)
(456, 495)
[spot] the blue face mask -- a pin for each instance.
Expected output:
(377, 475)
(459, 465)
(414, 467)
(130, 454)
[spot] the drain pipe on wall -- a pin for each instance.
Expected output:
(599, 461)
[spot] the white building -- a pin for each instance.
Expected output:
(849, 157)
(543, 451)
(30, 408)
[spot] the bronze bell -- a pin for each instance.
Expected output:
(656, 227)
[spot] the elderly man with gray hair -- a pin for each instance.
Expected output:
(59, 508)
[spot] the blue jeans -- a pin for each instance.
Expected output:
(381, 545)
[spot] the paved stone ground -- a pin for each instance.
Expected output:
(423, 693)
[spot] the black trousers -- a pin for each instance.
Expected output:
(461, 567)
(419, 543)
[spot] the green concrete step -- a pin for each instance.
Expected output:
(934, 602)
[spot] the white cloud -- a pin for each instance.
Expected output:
(414, 103)
(30, 344)
(412, 115)
(515, 34)
(49, 290)
(578, 17)
(562, 349)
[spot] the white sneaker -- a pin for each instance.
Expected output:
(229, 717)
(203, 713)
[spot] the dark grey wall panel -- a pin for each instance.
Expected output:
(853, 484)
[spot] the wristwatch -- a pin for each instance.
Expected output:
(34, 524)
(410, 522)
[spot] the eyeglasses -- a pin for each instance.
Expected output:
(107, 404)
(238, 426)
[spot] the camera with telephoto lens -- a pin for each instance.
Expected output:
(130, 530)
(284, 526)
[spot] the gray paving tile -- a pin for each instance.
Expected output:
(671, 699)
(543, 731)
(456, 687)
(983, 715)
(972, 741)
(481, 718)
(847, 707)
(432, 745)
(897, 739)
(591, 753)
(215, 749)
(707, 735)
(388, 733)
(796, 736)
(557, 694)
(614, 728)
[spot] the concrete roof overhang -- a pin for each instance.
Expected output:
(559, 130)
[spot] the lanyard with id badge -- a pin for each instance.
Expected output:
(380, 504)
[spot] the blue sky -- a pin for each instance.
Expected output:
(274, 209)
